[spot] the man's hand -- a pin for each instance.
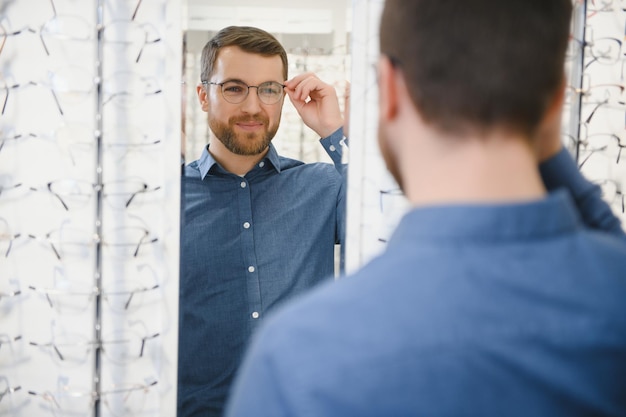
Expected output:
(316, 102)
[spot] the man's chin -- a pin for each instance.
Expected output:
(248, 147)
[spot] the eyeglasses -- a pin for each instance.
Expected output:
(608, 142)
(75, 194)
(75, 142)
(132, 290)
(235, 92)
(121, 347)
(132, 36)
(611, 92)
(66, 241)
(605, 51)
(128, 89)
(120, 400)
(124, 32)
(68, 85)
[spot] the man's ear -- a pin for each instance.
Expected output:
(547, 140)
(555, 106)
(202, 97)
(387, 89)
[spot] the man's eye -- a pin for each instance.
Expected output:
(233, 89)
(269, 91)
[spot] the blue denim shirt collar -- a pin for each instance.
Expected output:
(547, 217)
(207, 162)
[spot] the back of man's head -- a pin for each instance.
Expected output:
(479, 64)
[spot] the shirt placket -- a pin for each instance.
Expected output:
(248, 250)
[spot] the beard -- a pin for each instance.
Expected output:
(389, 158)
(250, 143)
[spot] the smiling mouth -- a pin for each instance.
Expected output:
(250, 126)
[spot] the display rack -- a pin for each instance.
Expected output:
(89, 207)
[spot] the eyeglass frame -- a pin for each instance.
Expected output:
(221, 85)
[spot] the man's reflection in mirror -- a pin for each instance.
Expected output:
(257, 228)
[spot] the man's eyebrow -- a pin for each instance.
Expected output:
(226, 80)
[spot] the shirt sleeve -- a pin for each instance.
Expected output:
(333, 145)
(561, 171)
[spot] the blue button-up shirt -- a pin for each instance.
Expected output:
(473, 310)
(248, 243)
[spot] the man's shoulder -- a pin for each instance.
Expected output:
(320, 170)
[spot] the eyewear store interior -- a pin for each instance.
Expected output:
(90, 153)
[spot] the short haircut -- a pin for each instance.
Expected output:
(249, 39)
(478, 64)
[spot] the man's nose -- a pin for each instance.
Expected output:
(252, 103)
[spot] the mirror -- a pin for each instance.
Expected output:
(316, 36)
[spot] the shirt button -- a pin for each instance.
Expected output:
(243, 184)
(332, 148)
(250, 269)
(246, 225)
(261, 164)
(255, 315)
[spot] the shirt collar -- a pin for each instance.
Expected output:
(551, 216)
(207, 162)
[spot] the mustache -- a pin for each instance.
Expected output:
(249, 119)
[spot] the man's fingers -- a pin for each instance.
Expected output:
(305, 86)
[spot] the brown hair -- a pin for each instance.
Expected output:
(479, 64)
(249, 39)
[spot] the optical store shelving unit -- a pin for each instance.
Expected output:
(594, 120)
(595, 131)
(89, 207)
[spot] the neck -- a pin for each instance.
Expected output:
(497, 168)
(234, 163)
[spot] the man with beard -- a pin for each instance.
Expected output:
(257, 227)
(501, 292)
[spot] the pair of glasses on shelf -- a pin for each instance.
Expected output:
(72, 349)
(125, 32)
(72, 85)
(120, 400)
(77, 143)
(122, 242)
(128, 292)
(74, 194)
(608, 145)
(604, 51)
